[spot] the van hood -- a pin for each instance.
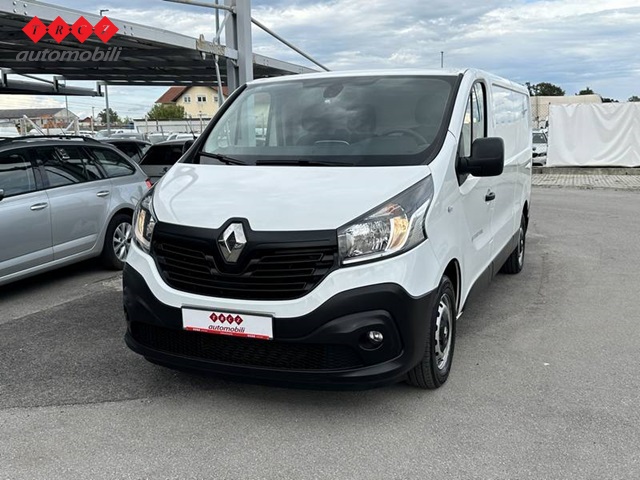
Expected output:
(277, 198)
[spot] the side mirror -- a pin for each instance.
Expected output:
(1, 194)
(187, 145)
(486, 160)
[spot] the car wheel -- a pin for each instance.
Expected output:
(433, 370)
(515, 262)
(117, 241)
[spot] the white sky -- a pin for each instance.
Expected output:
(571, 43)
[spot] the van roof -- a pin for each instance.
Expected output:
(391, 73)
(363, 73)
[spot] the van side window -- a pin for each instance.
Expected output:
(478, 128)
(474, 124)
(465, 137)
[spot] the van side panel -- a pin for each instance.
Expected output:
(511, 122)
(508, 115)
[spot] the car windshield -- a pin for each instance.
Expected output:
(366, 121)
(539, 138)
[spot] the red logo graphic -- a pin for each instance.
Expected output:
(59, 29)
(105, 29)
(226, 318)
(82, 29)
(35, 29)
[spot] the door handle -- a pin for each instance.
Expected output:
(103, 193)
(39, 206)
(490, 197)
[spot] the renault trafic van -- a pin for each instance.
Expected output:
(341, 244)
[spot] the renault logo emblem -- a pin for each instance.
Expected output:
(232, 242)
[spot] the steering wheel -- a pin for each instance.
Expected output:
(405, 131)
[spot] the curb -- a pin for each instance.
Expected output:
(588, 170)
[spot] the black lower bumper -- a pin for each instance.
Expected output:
(327, 347)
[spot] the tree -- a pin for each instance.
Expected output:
(586, 91)
(113, 116)
(609, 100)
(166, 111)
(634, 98)
(545, 89)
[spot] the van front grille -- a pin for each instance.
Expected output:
(265, 272)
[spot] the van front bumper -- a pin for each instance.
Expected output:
(326, 347)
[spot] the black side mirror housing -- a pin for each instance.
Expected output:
(187, 145)
(1, 194)
(486, 160)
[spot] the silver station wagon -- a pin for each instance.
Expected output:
(62, 200)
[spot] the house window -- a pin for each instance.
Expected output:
(202, 98)
(186, 99)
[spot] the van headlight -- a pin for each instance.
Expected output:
(144, 221)
(394, 227)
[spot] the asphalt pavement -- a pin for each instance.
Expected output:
(545, 381)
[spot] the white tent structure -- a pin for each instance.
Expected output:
(594, 135)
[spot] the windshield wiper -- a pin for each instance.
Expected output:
(305, 163)
(222, 158)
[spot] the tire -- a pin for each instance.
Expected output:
(433, 370)
(515, 262)
(117, 241)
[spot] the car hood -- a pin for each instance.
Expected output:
(277, 198)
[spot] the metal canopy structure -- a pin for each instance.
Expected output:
(148, 56)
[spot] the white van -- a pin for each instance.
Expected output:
(341, 246)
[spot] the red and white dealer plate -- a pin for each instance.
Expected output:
(227, 323)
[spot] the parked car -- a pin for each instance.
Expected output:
(157, 137)
(160, 157)
(102, 134)
(131, 147)
(131, 134)
(540, 144)
(343, 248)
(8, 130)
(182, 136)
(63, 200)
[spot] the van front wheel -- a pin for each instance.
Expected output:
(433, 370)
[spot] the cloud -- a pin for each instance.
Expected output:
(572, 43)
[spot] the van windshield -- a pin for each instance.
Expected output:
(365, 121)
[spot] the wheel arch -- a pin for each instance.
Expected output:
(127, 210)
(453, 272)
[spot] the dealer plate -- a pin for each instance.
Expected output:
(228, 323)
